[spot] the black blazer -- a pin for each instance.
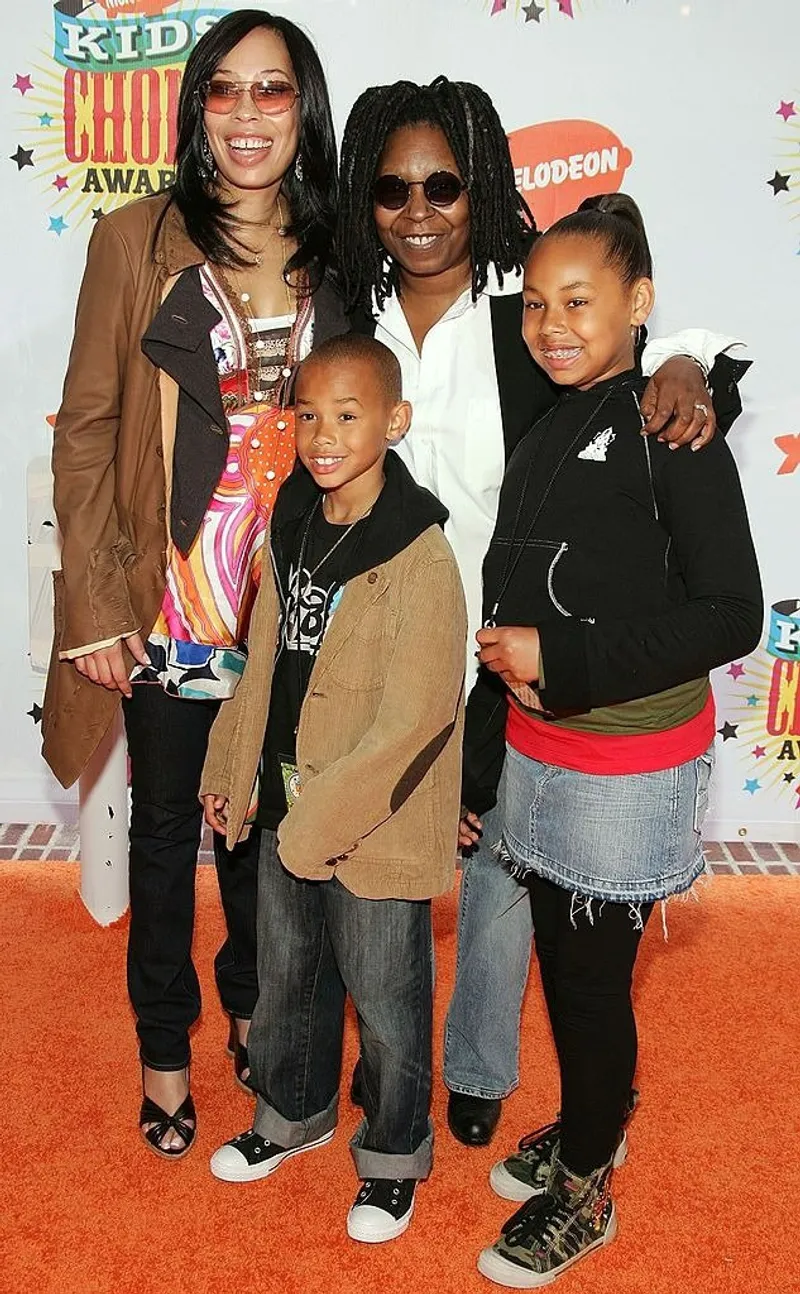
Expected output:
(179, 342)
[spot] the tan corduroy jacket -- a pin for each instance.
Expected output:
(379, 739)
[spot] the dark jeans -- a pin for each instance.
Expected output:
(316, 943)
(167, 740)
(586, 968)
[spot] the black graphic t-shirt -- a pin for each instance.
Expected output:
(311, 596)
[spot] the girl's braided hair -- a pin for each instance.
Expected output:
(501, 223)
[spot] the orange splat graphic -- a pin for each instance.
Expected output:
(790, 446)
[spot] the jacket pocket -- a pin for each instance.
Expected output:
(59, 614)
(561, 552)
(361, 663)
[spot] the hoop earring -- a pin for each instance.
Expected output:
(298, 168)
(208, 167)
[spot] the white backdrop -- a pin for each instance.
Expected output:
(693, 107)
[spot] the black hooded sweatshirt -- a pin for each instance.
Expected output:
(328, 556)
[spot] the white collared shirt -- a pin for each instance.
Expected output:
(455, 445)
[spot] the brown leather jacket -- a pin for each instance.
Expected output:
(113, 452)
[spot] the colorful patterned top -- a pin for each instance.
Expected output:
(197, 645)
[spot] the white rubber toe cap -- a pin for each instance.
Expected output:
(230, 1165)
(508, 1187)
(374, 1226)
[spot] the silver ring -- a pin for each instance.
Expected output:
(702, 407)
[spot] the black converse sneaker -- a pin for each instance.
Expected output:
(382, 1209)
(250, 1156)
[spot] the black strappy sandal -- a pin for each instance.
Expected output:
(241, 1061)
(183, 1121)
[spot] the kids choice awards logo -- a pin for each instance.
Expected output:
(559, 163)
(762, 709)
(98, 118)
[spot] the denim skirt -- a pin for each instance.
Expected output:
(632, 838)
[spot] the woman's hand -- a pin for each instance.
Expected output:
(216, 811)
(677, 405)
(106, 666)
(469, 829)
(512, 651)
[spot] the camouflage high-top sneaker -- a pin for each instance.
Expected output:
(553, 1231)
(525, 1174)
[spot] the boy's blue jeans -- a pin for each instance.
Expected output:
(316, 943)
(495, 927)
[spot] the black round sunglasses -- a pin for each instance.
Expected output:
(441, 189)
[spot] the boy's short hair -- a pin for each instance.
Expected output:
(358, 346)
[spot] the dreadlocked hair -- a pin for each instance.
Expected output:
(501, 223)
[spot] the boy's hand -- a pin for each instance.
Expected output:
(677, 405)
(216, 808)
(469, 829)
(511, 651)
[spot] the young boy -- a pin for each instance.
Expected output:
(355, 719)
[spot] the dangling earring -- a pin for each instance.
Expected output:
(298, 168)
(635, 334)
(208, 169)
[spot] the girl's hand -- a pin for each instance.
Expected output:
(677, 405)
(527, 696)
(512, 651)
(469, 829)
(216, 810)
(106, 666)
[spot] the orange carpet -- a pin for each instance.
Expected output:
(708, 1201)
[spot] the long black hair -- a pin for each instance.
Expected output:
(614, 220)
(211, 225)
(500, 221)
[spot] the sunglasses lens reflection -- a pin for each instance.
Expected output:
(270, 97)
(391, 192)
(441, 189)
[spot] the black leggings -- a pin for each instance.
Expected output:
(586, 970)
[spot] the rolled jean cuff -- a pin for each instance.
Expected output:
(377, 1163)
(465, 1087)
(289, 1133)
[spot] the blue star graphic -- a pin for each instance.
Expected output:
(45, 119)
(57, 225)
(752, 785)
(752, 700)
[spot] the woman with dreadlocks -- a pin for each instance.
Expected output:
(431, 238)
